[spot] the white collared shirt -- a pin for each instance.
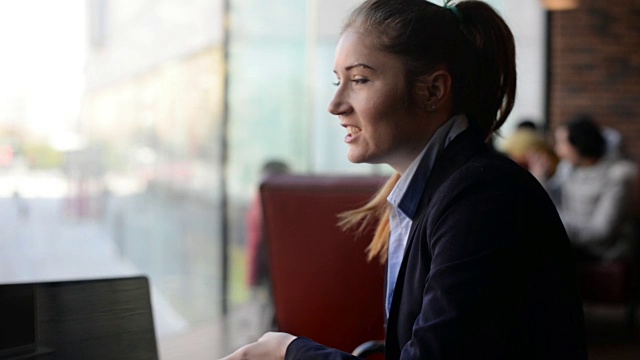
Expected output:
(404, 204)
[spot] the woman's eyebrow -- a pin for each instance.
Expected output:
(358, 65)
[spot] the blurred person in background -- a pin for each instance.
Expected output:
(593, 188)
(524, 140)
(258, 274)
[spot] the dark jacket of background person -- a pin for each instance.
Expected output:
(488, 269)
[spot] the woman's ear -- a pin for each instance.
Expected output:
(435, 89)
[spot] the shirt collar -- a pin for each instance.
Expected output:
(407, 193)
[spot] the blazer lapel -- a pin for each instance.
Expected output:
(452, 158)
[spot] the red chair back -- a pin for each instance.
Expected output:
(605, 282)
(323, 286)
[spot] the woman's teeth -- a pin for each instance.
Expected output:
(352, 130)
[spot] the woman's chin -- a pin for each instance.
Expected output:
(356, 158)
(363, 159)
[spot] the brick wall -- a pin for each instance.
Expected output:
(595, 66)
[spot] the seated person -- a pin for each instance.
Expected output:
(593, 192)
(525, 140)
(257, 262)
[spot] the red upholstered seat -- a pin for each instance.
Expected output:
(323, 286)
(605, 282)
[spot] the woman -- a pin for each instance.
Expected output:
(479, 264)
(593, 191)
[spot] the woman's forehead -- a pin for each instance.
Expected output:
(356, 47)
(354, 42)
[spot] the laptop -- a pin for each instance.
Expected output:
(83, 319)
(18, 325)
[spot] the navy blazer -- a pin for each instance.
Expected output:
(487, 271)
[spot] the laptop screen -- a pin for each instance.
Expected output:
(18, 319)
(85, 319)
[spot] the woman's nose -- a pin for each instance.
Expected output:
(339, 105)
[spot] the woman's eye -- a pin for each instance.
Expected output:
(358, 81)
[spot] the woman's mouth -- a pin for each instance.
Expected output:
(352, 131)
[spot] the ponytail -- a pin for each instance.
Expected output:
(486, 89)
(377, 209)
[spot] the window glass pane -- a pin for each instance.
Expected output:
(110, 157)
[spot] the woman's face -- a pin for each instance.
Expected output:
(373, 105)
(563, 147)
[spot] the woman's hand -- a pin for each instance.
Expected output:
(271, 346)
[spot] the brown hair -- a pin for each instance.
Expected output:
(472, 43)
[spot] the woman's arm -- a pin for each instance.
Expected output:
(499, 283)
(473, 281)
